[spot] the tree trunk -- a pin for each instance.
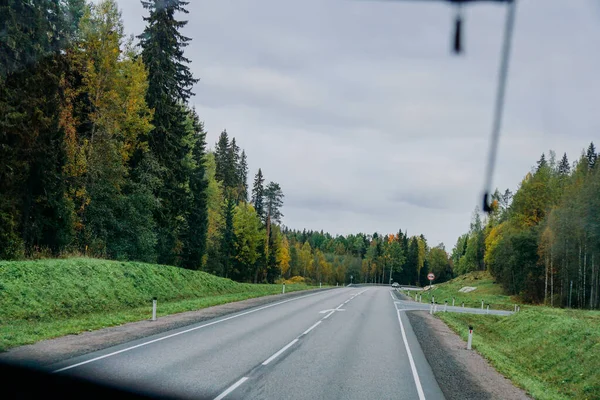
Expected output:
(579, 278)
(592, 285)
(551, 280)
(584, 272)
(546, 283)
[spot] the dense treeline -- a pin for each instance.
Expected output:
(365, 258)
(100, 152)
(542, 242)
(102, 155)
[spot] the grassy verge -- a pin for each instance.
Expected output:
(487, 290)
(50, 298)
(551, 353)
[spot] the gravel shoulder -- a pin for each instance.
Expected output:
(461, 373)
(54, 350)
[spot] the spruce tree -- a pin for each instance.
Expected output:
(563, 166)
(221, 156)
(273, 202)
(542, 162)
(258, 194)
(242, 172)
(233, 160)
(197, 220)
(591, 155)
(228, 240)
(170, 83)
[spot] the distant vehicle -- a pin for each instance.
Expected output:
(395, 284)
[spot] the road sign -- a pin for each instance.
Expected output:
(431, 276)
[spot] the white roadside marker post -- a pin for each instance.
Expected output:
(434, 307)
(453, 302)
(154, 309)
(463, 304)
(446, 306)
(488, 309)
(482, 304)
(417, 295)
(431, 309)
(283, 288)
(319, 285)
(433, 299)
(470, 340)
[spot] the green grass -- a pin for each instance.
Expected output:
(549, 352)
(49, 298)
(487, 289)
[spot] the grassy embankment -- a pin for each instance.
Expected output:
(55, 297)
(551, 353)
(487, 290)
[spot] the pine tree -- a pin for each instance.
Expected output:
(170, 84)
(197, 221)
(243, 177)
(258, 194)
(591, 155)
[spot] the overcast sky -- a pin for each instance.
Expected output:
(360, 112)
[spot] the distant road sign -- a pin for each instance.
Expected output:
(431, 276)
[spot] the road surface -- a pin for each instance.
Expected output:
(347, 343)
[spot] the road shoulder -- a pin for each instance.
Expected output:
(461, 374)
(51, 351)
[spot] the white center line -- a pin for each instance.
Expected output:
(284, 348)
(411, 361)
(231, 388)
(311, 328)
(182, 332)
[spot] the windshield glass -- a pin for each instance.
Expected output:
(310, 199)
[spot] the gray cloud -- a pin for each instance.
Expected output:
(368, 123)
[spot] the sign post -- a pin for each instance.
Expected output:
(431, 277)
(470, 339)
(154, 309)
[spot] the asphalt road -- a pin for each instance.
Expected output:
(347, 343)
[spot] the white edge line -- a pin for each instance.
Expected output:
(311, 328)
(411, 361)
(231, 388)
(392, 296)
(274, 356)
(182, 332)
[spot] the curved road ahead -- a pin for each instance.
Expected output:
(347, 343)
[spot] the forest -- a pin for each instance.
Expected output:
(542, 241)
(102, 155)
